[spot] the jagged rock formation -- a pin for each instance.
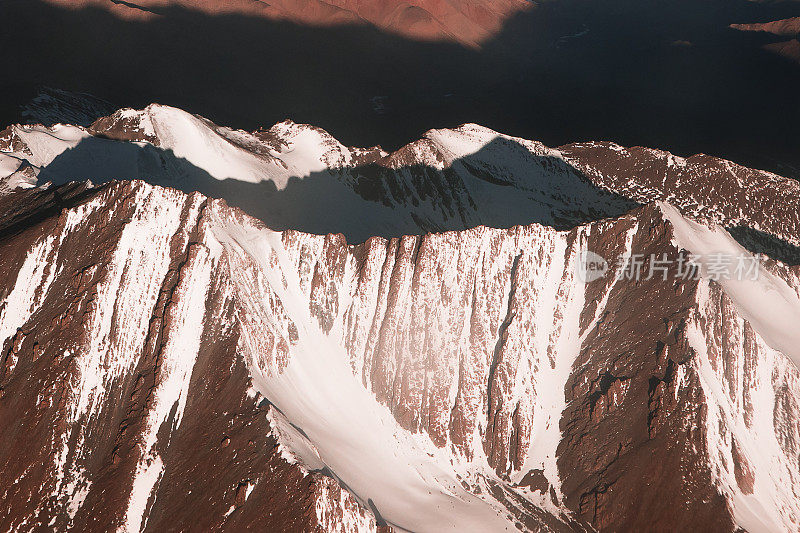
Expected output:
(161, 348)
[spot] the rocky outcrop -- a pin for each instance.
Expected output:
(785, 27)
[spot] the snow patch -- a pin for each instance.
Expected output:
(29, 289)
(145, 482)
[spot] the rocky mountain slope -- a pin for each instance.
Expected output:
(171, 362)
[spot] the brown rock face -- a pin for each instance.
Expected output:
(628, 423)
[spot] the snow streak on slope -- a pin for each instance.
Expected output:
(186, 314)
(557, 347)
(118, 323)
(29, 289)
(767, 302)
(752, 464)
(404, 478)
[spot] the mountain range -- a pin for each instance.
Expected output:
(209, 328)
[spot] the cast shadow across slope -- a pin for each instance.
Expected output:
(371, 199)
(759, 242)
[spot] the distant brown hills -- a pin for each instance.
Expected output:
(469, 22)
(789, 27)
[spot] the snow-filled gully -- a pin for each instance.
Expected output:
(405, 478)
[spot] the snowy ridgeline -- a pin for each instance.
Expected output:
(422, 373)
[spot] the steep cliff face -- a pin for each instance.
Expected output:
(163, 352)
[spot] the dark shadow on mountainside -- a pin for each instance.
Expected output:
(367, 200)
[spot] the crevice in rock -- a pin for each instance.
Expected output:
(496, 356)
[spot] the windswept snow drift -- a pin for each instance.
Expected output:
(765, 300)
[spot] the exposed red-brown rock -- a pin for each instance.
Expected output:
(788, 49)
(470, 22)
(788, 27)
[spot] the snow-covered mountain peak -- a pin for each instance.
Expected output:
(299, 176)
(406, 339)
